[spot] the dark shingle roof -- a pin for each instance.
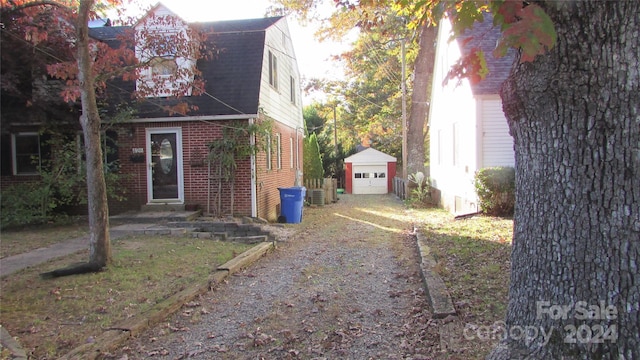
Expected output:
(239, 25)
(485, 36)
(107, 33)
(232, 75)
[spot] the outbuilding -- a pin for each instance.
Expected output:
(369, 172)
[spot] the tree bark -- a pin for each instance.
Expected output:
(574, 115)
(99, 243)
(423, 69)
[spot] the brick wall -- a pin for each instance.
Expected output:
(269, 181)
(195, 137)
(197, 189)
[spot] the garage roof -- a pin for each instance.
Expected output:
(370, 156)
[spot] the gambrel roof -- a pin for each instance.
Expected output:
(232, 74)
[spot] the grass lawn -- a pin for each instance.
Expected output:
(51, 317)
(18, 241)
(473, 258)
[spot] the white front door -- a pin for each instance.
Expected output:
(370, 179)
(164, 165)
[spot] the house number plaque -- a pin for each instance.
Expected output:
(137, 155)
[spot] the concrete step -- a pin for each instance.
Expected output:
(162, 207)
(155, 217)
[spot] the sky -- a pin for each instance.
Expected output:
(313, 56)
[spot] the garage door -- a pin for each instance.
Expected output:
(370, 179)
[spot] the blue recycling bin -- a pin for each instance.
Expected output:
(291, 204)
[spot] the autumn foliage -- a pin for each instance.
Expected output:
(48, 27)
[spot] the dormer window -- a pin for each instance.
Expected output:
(165, 45)
(162, 77)
(163, 67)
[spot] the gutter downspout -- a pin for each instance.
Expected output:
(254, 190)
(298, 175)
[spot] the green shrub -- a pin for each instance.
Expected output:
(61, 183)
(495, 187)
(23, 204)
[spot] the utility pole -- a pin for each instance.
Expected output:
(335, 140)
(403, 88)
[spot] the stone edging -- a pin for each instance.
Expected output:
(109, 340)
(11, 345)
(436, 290)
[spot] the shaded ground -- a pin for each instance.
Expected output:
(52, 317)
(346, 285)
(343, 284)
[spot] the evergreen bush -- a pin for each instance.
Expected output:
(495, 187)
(312, 160)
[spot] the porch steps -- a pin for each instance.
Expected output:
(155, 217)
(178, 224)
(224, 230)
(162, 207)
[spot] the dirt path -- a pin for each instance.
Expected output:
(345, 285)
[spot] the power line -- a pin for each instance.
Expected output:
(380, 62)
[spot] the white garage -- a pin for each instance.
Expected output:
(369, 172)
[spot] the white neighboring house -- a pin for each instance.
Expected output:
(468, 129)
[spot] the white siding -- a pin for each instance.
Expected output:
(467, 132)
(276, 102)
(497, 143)
(453, 163)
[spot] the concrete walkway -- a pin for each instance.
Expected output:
(130, 223)
(14, 263)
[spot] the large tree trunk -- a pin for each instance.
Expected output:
(99, 244)
(423, 70)
(574, 115)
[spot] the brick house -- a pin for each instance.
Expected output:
(164, 157)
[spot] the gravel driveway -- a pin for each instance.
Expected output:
(344, 284)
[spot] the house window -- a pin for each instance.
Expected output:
(26, 153)
(456, 144)
(161, 78)
(293, 90)
(273, 70)
(291, 152)
(163, 67)
(439, 147)
(268, 151)
(278, 152)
